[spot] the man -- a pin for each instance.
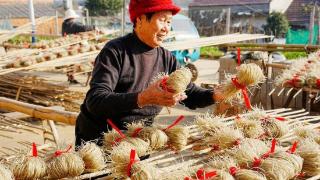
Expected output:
(121, 87)
(71, 26)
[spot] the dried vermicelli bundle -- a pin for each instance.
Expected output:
(226, 163)
(156, 137)
(275, 128)
(209, 173)
(5, 173)
(65, 164)
(246, 174)
(295, 160)
(111, 138)
(178, 137)
(307, 133)
(29, 167)
(249, 150)
(247, 75)
(275, 168)
(93, 157)
(139, 145)
(143, 171)
(310, 152)
(178, 81)
(125, 165)
(250, 129)
(224, 139)
(222, 162)
(244, 155)
(256, 145)
(209, 124)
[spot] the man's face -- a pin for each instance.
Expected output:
(153, 31)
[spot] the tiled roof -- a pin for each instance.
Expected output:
(295, 11)
(226, 2)
(22, 10)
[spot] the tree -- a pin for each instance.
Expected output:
(277, 24)
(103, 7)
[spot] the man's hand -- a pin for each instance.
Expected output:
(154, 95)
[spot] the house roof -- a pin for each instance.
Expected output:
(296, 12)
(226, 2)
(14, 10)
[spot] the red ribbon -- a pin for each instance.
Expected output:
(164, 85)
(215, 147)
(233, 171)
(116, 128)
(180, 118)
(293, 81)
(237, 142)
(202, 175)
(280, 118)
(318, 83)
(59, 152)
(244, 91)
(34, 150)
(294, 147)
(131, 162)
(301, 175)
(256, 162)
(136, 132)
(272, 149)
(239, 56)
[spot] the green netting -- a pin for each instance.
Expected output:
(301, 36)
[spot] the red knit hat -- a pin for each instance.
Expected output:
(140, 7)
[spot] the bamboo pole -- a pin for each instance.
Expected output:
(39, 111)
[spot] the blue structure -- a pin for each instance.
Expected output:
(183, 29)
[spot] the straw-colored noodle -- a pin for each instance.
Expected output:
(224, 139)
(179, 80)
(275, 128)
(93, 157)
(310, 152)
(248, 75)
(209, 124)
(247, 174)
(65, 165)
(139, 145)
(110, 139)
(250, 129)
(143, 171)
(156, 137)
(178, 137)
(275, 169)
(29, 167)
(295, 160)
(308, 133)
(226, 162)
(5, 173)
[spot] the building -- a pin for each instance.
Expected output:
(298, 13)
(14, 13)
(246, 16)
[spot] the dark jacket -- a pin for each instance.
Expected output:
(71, 26)
(123, 68)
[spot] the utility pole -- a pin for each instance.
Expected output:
(228, 20)
(33, 22)
(311, 25)
(318, 9)
(123, 19)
